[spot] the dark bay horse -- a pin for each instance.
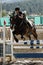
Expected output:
(22, 28)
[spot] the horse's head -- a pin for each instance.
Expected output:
(12, 22)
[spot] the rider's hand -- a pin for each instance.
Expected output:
(21, 16)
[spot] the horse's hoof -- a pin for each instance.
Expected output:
(16, 40)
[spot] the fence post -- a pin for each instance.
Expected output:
(11, 44)
(4, 39)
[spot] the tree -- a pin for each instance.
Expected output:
(4, 13)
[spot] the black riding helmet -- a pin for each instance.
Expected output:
(17, 9)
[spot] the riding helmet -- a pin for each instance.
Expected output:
(17, 8)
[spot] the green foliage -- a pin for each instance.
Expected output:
(31, 6)
(4, 13)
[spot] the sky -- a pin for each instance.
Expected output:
(10, 1)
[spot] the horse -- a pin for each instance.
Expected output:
(23, 28)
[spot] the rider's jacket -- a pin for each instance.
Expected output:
(18, 19)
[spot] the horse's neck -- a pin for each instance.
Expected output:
(31, 23)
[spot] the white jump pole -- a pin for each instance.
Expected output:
(11, 44)
(4, 42)
(4, 27)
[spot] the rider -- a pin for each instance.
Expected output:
(18, 16)
(18, 12)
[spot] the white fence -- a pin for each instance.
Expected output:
(31, 43)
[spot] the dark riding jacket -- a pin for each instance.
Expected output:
(18, 20)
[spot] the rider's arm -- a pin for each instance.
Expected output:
(21, 16)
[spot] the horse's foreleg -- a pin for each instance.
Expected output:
(14, 32)
(15, 38)
(22, 37)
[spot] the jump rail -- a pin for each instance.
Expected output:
(27, 42)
